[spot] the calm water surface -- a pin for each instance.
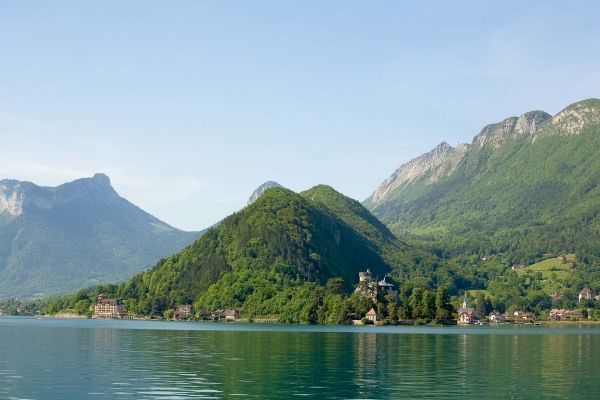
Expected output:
(87, 359)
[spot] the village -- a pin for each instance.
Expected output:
(372, 289)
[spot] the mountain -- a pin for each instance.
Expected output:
(525, 186)
(261, 189)
(57, 239)
(272, 256)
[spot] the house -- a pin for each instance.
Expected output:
(496, 318)
(522, 316)
(466, 315)
(183, 311)
(517, 266)
(372, 316)
(228, 314)
(106, 308)
(586, 294)
(231, 314)
(561, 314)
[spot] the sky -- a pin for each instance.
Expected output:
(188, 106)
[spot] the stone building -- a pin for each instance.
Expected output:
(368, 286)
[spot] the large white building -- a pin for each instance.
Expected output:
(109, 308)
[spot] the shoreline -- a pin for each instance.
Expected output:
(272, 321)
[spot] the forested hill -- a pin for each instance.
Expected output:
(524, 187)
(82, 233)
(271, 257)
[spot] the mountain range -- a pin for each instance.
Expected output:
(525, 186)
(58, 239)
(525, 189)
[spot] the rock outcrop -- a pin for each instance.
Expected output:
(434, 164)
(261, 189)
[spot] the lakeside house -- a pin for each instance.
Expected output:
(586, 294)
(228, 314)
(562, 315)
(231, 314)
(496, 317)
(466, 315)
(106, 308)
(522, 316)
(372, 316)
(368, 286)
(182, 312)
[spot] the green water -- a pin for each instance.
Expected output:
(86, 359)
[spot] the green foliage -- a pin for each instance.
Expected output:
(512, 201)
(289, 256)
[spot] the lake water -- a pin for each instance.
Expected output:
(88, 359)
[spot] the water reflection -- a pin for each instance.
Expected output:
(43, 362)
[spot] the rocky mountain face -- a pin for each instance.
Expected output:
(17, 197)
(532, 170)
(57, 239)
(430, 166)
(261, 189)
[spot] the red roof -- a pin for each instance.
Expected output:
(372, 312)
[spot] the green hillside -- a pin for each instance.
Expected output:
(519, 195)
(275, 257)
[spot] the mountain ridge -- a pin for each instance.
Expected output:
(517, 175)
(57, 239)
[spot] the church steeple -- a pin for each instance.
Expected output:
(465, 301)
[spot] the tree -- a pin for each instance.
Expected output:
(335, 286)
(443, 307)
(428, 304)
(480, 305)
(414, 302)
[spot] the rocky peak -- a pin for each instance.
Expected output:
(11, 197)
(261, 189)
(16, 196)
(101, 179)
(495, 134)
(575, 117)
(530, 122)
(430, 164)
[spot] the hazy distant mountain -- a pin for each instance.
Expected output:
(57, 239)
(524, 186)
(261, 189)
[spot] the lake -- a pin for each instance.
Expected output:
(89, 359)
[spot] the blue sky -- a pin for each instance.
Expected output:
(190, 105)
